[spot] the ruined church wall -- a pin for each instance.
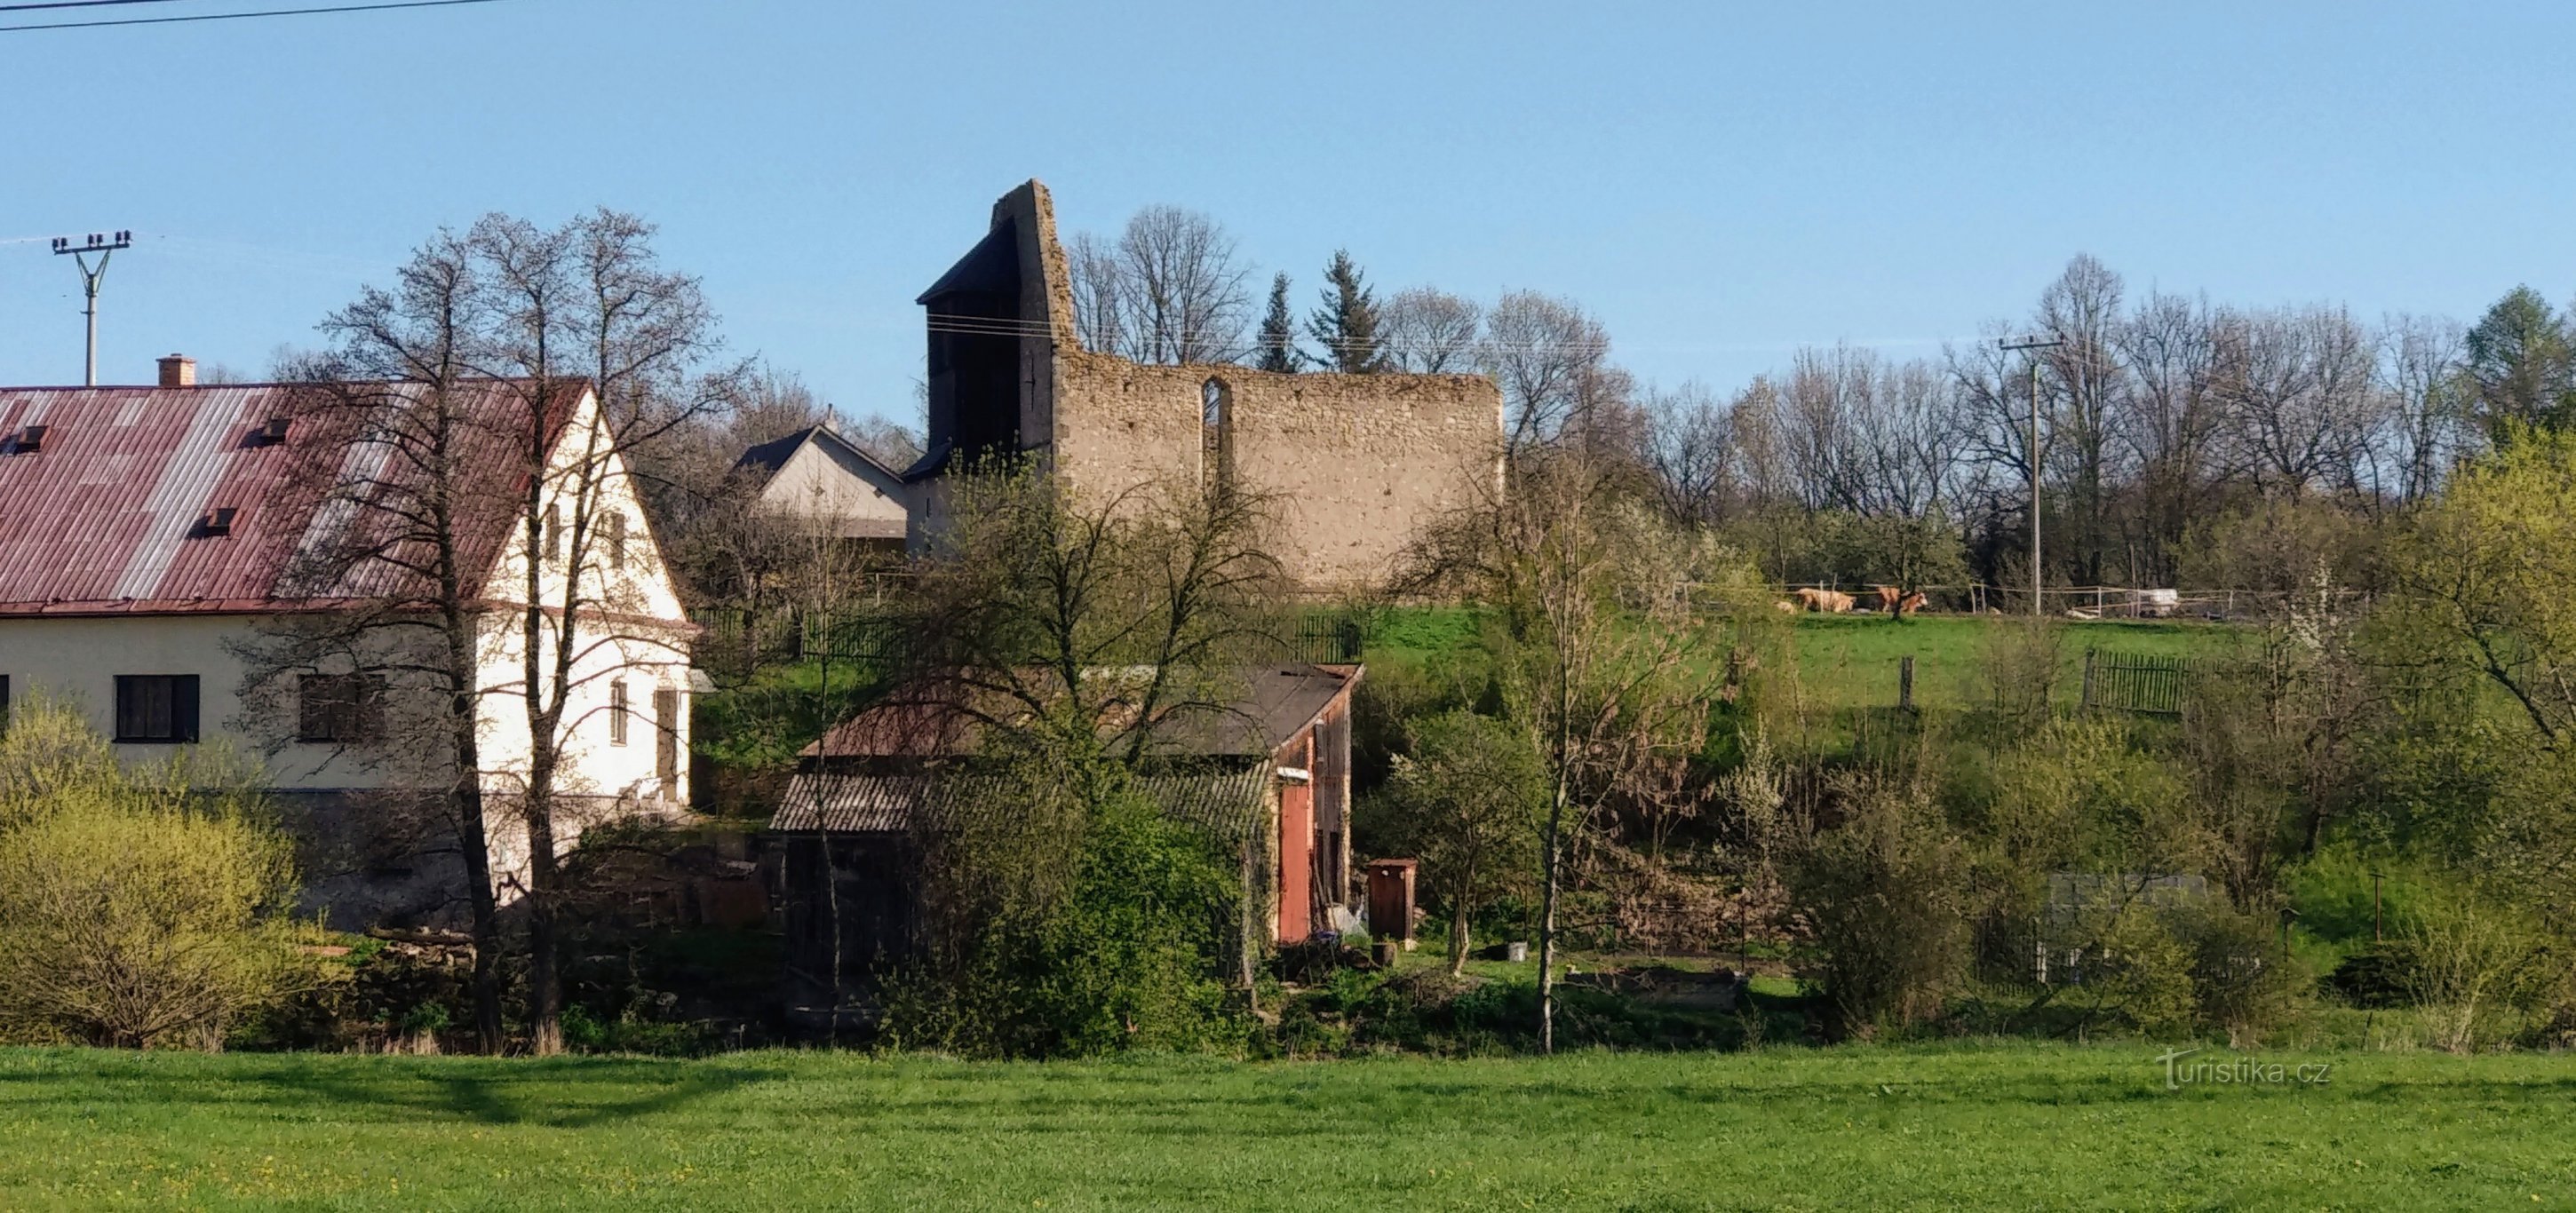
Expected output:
(1356, 465)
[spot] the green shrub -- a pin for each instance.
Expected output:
(1116, 951)
(1884, 892)
(144, 929)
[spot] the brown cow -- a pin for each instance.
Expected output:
(1888, 597)
(1833, 601)
(1910, 603)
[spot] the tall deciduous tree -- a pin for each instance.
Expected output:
(1601, 662)
(1347, 324)
(1432, 332)
(1545, 352)
(1169, 290)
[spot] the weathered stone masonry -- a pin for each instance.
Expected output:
(1356, 463)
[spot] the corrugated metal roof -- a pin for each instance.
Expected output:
(1229, 805)
(107, 515)
(923, 718)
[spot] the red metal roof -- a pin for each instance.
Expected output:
(106, 517)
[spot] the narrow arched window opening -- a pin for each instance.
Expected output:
(1216, 436)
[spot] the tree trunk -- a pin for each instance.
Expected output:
(466, 809)
(545, 979)
(473, 830)
(1458, 937)
(1547, 923)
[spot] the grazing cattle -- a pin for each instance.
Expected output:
(1888, 597)
(1833, 601)
(1910, 603)
(1786, 608)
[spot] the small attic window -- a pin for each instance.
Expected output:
(30, 439)
(271, 432)
(219, 522)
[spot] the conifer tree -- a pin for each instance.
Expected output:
(1278, 332)
(1347, 325)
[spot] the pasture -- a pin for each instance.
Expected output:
(2014, 1125)
(1851, 661)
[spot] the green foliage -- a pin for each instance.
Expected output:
(1885, 892)
(1467, 802)
(1347, 324)
(1278, 340)
(2522, 365)
(1091, 925)
(132, 913)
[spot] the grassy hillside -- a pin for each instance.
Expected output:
(1852, 660)
(1986, 1125)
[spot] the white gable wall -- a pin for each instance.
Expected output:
(822, 480)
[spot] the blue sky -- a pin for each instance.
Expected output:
(1720, 183)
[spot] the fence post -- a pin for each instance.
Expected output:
(2087, 703)
(1905, 683)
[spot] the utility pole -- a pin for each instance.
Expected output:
(2026, 344)
(105, 246)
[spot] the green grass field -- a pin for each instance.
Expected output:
(2017, 1126)
(1851, 661)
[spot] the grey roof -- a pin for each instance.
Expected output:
(1229, 805)
(772, 455)
(922, 719)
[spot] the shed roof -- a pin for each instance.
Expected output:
(1227, 804)
(108, 514)
(928, 718)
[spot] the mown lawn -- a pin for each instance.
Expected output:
(2004, 1125)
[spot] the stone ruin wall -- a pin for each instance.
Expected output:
(1356, 465)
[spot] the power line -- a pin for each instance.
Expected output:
(12, 8)
(274, 12)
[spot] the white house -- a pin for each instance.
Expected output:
(156, 555)
(818, 473)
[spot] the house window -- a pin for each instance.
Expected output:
(156, 708)
(4, 703)
(616, 526)
(617, 712)
(554, 532)
(337, 707)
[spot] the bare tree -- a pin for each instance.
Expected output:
(1543, 351)
(393, 468)
(585, 304)
(1170, 290)
(1601, 662)
(1100, 292)
(1433, 332)
(1692, 449)
(2428, 415)
(2082, 308)
(2297, 385)
(2172, 425)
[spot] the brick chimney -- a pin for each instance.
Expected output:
(178, 370)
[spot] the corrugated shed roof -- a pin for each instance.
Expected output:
(923, 718)
(109, 514)
(1228, 805)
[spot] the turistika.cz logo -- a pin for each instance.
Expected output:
(2240, 1072)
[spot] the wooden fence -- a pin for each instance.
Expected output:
(2135, 682)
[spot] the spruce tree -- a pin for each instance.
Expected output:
(1278, 332)
(1347, 325)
